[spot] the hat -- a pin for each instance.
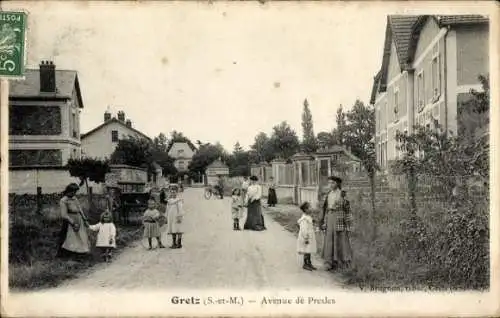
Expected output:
(336, 179)
(254, 178)
(72, 187)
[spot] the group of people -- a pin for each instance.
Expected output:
(73, 237)
(249, 196)
(335, 220)
(169, 217)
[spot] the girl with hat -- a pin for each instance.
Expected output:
(73, 238)
(254, 220)
(106, 236)
(331, 220)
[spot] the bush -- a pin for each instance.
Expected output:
(440, 247)
(33, 245)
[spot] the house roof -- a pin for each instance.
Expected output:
(375, 86)
(462, 19)
(336, 149)
(190, 144)
(113, 120)
(66, 82)
(404, 31)
(217, 164)
(398, 30)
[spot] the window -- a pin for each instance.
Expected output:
(73, 124)
(435, 78)
(114, 136)
(35, 120)
(420, 91)
(35, 157)
(396, 104)
(181, 165)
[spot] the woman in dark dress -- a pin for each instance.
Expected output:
(272, 200)
(254, 220)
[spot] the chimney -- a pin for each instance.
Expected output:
(121, 116)
(107, 116)
(47, 77)
(128, 123)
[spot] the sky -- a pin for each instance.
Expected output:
(222, 72)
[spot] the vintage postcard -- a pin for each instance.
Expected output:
(249, 158)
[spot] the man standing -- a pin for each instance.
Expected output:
(220, 185)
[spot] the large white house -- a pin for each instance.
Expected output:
(183, 153)
(430, 64)
(101, 141)
(44, 129)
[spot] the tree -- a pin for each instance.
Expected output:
(263, 148)
(88, 169)
(284, 141)
(309, 143)
(140, 152)
(239, 162)
(325, 139)
(237, 148)
(339, 131)
(358, 131)
(160, 143)
(206, 154)
(133, 152)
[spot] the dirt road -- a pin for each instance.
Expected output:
(213, 256)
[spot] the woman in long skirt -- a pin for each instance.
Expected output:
(73, 238)
(272, 200)
(336, 247)
(254, 220)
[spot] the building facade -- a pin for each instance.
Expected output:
(429, 66)
(44, 129)
(101, 141)
(44, 118)
(216, 169)
(183, 153)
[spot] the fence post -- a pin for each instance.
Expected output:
(39, 200)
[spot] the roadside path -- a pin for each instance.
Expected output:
(213, 256)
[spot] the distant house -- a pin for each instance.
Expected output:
(183, 153)
(101, 141)
(429, 65)
(44, 128)
(216, 169)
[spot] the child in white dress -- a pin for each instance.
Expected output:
(106, 236)
(175, 218)
(306, 241)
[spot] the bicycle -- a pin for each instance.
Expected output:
(210, 191)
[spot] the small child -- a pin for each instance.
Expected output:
(236, 208)
(306, 241)
(175, 218)
(151, 225)
(106, 236)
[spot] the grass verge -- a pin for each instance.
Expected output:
(33, 246)
(438, 249)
